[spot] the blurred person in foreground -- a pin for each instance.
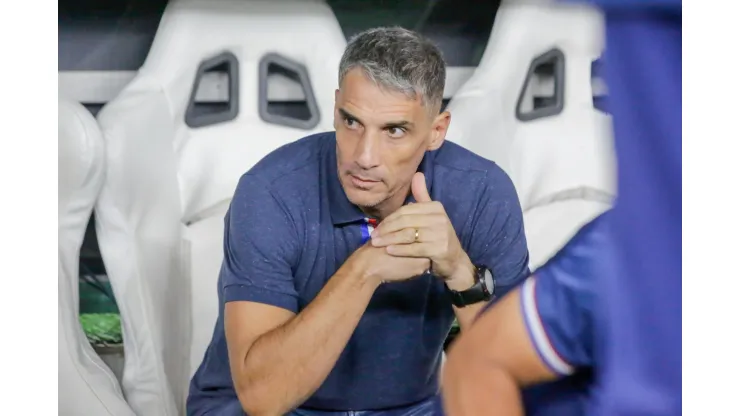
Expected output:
(610, 301)
(348, 254)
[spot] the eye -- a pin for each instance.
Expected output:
(396, 132)
(350, 123)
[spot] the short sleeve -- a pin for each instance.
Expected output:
(498, 240)
(260, 248)
(558, 301)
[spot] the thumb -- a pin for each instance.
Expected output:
(419, 188)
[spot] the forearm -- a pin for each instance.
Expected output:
(470, 389)
(285, 366)
(497, 353)
(475, 382)
(466, 315)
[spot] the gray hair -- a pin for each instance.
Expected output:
(400, 60)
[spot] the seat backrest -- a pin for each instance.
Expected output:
(229, 72)
(529, 107)
(86, 384)
(225, 83)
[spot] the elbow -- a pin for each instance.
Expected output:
(258, 403)
(260, 411)
(252, 390)
(255, 406)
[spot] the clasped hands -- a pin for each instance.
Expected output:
(423, 230)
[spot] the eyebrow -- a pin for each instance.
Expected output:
(388, 125)
(347, 114)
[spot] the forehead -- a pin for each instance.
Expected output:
(363, 98)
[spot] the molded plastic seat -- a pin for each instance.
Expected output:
(86, 384)
(530, 107)
(225, 83)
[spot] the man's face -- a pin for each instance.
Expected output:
(382, 136)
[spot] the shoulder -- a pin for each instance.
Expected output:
(279, 185)
(291, 166)
(287, 159)
(569, 274)
(463, 172)
(270, 197)
(561, 296)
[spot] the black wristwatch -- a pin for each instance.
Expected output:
(481, 291)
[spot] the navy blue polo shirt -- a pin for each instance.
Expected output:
(290, 227)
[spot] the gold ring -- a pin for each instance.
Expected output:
(416, 235)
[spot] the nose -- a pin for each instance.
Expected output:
(367, 152)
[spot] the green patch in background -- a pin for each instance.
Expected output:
(101, 321)
(99, 314)
(102, 329)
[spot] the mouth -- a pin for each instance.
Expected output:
(362, 183)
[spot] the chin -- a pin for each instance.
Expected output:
(364, 199)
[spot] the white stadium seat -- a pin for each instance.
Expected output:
(86, 385)
(529, 107)
(225, 83)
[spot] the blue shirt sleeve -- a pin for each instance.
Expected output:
(260, 248)
(558, 301)
(498, 240)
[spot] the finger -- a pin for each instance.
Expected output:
(418, 208)
(419, 188)
(404, 236)
(392, 225)
(425, 250)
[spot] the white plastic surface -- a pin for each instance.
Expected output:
(562, 166)
(86, 385)
(168, 185)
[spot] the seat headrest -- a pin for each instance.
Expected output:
(80, 163)
(223, 51)
(542, 50)
(190, 29)
(526, 29)
(193, 32)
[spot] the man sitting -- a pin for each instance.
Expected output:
(348, 254)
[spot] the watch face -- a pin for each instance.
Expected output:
(488, 281)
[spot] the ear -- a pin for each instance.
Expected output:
(439, 130)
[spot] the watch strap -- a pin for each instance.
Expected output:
(476, 293)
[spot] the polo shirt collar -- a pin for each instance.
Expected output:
(342, 210)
